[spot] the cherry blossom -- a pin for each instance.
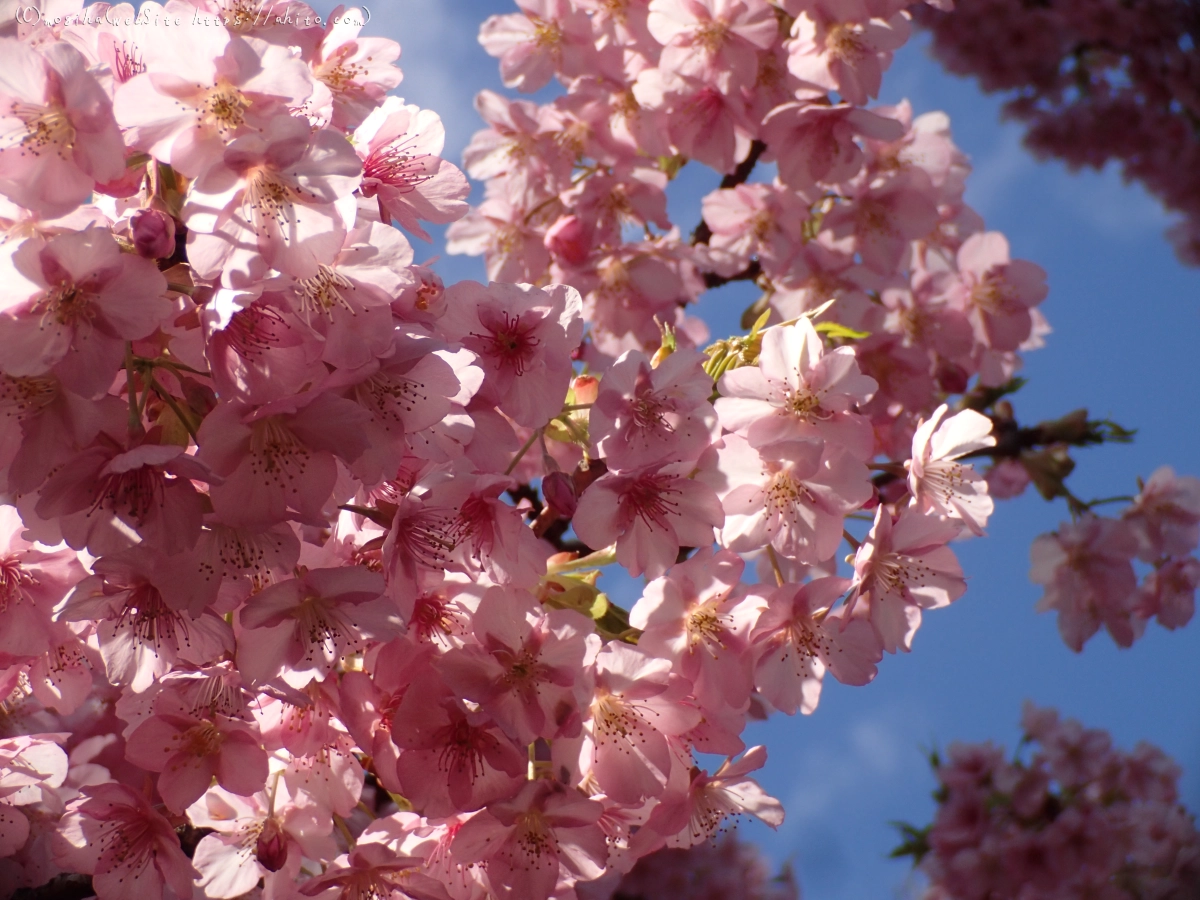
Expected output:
(649, 514)
(942, 486)
(903, 567)
(524, 337)
(400, 146)
(321, 563)
(799, 638)
(525, 842)
(1089, 579)
(798, 391)
(114, 835)
(58, 137)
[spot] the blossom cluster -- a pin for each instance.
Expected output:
(865, 207)
(1087, 566)
(1077, 818)
(286, 564)
(1096, 81)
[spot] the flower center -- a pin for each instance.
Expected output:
(24, 397)
(223, 108)
(844, 40)
(615, 720)
(14, 581)
(395, 164)
(47, 129)
(277, 457)
(203, 739)
(340, 75)
(646, 498)
(322, 292)
(67, 305)
(127, 61)
(509, 340)
(711, 36)
(152, 622)
(992, 295)
(704, 628)
(803, 404)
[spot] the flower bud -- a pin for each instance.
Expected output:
(568, 239)
(586, 388)
(559, 491)
(153, 233)
(423, 298)
(271, 846)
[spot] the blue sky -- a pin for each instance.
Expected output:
(1126, 319)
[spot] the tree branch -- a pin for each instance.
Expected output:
(702, 234)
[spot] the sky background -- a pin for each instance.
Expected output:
(1126, 319)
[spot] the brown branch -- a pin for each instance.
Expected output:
(702, 234)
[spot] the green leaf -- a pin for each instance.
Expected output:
(838, 330)
(915, 842)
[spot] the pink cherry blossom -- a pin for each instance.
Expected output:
(277, 199)
(694, 814)
(812, 142)
(756, 220)
(903, 567)
(111, 833)
(944, 487)
(400, 146)
(525, 842)
(58, 137)
(279, 460)
(141, 635)
(702, 123)
(551, 37)
(695, 617)
(792, 495)
(1166, 515)
(997, 291)
(633, 713)
(452, 758)
(308, 624)
(646, 414)
(108, 495)
(797, 639)
(523, 669)
(71, 302)
(798, 391)
(717, 41)
(649, 514)
(189, 752)
(373, 870)
(203, 88)
(524, 337)
(32, 581)
(1169, 592)
(356, 71)
(845, 56)
(1086, 568)
(256, 837)
(884, 218)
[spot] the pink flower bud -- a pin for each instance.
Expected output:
(568, 239)
(587, 388)
(153, 233)
(1007, 479)
(559, 491)
(424, 298)
(271, 846)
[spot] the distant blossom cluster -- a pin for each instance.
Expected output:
(1087, 566)
(300, 549)
(1079, 818)
(1097, 81)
